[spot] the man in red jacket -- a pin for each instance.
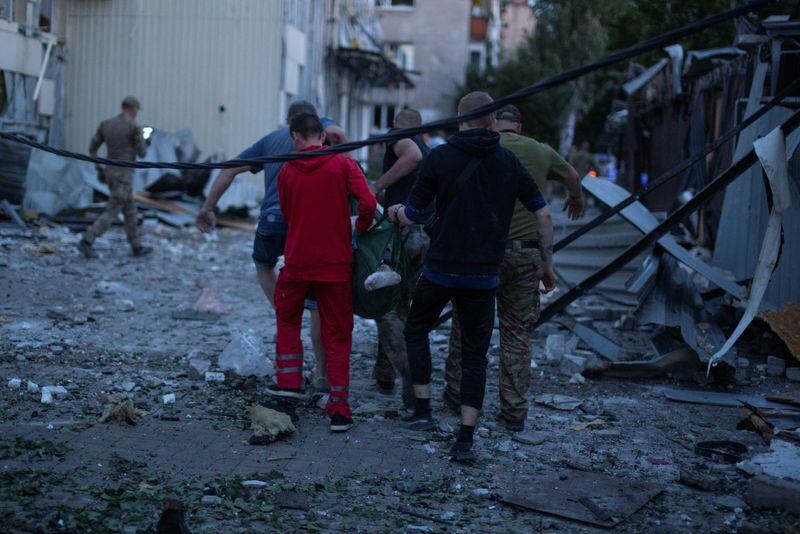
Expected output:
(318, 260)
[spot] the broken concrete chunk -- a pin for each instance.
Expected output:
(793, 374)
(245, 356)
(15, 383)
(775, 366)
(198, 368)
(49, 393)
(125, 305)
(169, 398)
(211, 376)
(571, 364)
(773, 493)
(211, 500)
(254, 484)
(577, 378)
(555, 347)
(731, 502)
(530, 438)
(559, 402)
(32, 387)
(128, 385)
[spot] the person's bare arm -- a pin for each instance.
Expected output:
(206, 220)
(335, 135)
(408, 158)
(544, 223)
(575, 205)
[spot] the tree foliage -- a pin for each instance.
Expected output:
(572, 32)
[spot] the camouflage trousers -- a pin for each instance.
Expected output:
(120, 183)
(518, 311)
(392, 357)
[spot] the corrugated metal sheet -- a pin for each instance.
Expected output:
(186, 61)
(744, 220)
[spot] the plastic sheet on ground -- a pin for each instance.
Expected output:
(54, 184)
(773, 154)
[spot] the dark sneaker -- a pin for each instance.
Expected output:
(86, 249)
(139, 252)
(340, 423)
(462, 453)
(275, 391)
(451, 404)
(385, 388)
(419, 422)
(513, 425)
(284, 406)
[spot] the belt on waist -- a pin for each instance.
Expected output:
(512, 244)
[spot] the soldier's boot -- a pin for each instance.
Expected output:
(86, 249)
(141, 251)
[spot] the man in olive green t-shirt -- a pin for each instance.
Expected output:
(518, 293)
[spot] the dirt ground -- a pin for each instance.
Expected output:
(104, 329)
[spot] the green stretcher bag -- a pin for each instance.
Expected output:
(380, 245)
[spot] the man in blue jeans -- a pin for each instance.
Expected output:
(270, 235)
(476, 184)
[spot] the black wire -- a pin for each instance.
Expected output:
(559, 79)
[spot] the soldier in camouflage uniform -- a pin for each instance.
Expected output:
(124, 141)
(518, 293)
(401, 163)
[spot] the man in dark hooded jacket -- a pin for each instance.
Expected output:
(476, 184)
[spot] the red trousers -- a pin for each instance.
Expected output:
(335, 304)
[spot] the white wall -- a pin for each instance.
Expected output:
(183, 59)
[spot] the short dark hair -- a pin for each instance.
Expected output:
(472, 101)
(306, 125)
(300, 106)
(408, 118)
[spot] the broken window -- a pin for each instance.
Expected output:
(7, 10)
(402, 54)
(396, 4)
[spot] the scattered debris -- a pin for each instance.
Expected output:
(15, 383)
(767, 492)
(198, 368)
(557, 401)
(49, 393)
(268, 424)
(678, 360)
(559, 493)
(32, 387)
(530, 438)
(598, 342)
(121, 410)
(714, 398)
(212, 376)
(169, 398)
(571, 364)
(775, 366)
(244, 356)
(588, 424)
(782, 460)
(554, 347)
(784, 323)
(291, 500)
(577, 378)
(208, 302)
(125, 305)
(721, 451)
